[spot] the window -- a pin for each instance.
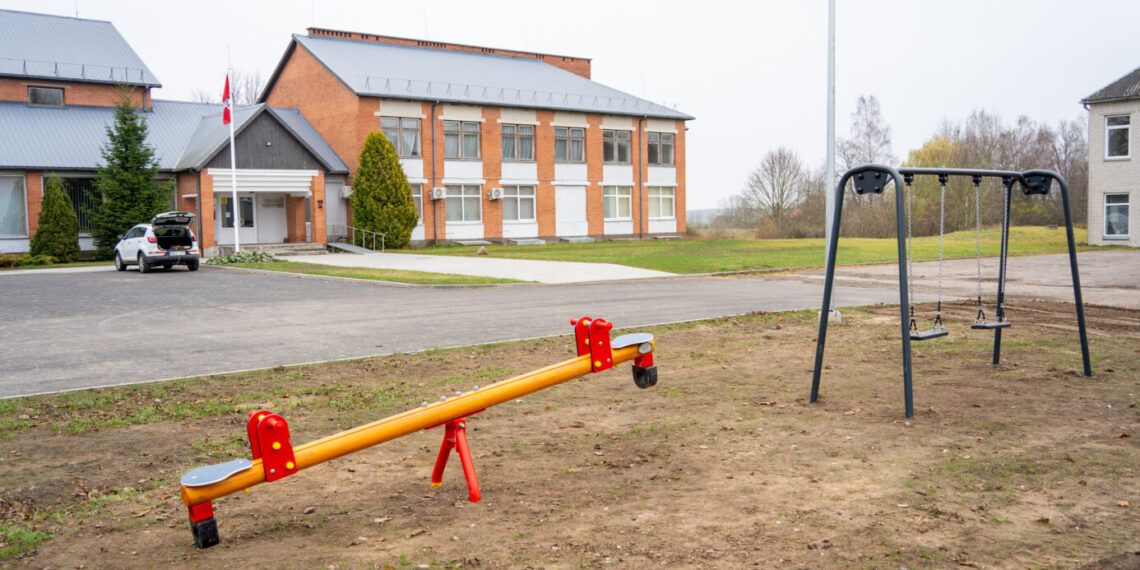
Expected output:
(84, 198)
(404, 134)
(418, 198)
(661, 202)
(518, 203)
(245, 209)
(569, 144)
(1116, 215)
(518, 142)
(615, 147)
(660, 150)
(460, 139)
(13, 209)
(617, 203)
(46, 96)
(464, 203)
(1116, 136)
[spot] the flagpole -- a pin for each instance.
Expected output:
(233, 173)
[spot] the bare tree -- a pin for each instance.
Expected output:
(245, 86)
(870, 137)
(775, 186)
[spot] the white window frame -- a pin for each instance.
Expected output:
(618, 194)
(463, 193)
(516, 138)
(462, 131)
(1127, 213)
(656, 194)
(24, 189)
(1108, 136)
(513, 192)
(399, 142)
(418, 198)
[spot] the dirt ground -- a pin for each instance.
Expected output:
(724, 464)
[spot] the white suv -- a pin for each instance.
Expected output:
(167, 241)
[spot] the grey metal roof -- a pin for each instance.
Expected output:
(211, 136)
(1127, 87)
(73, 49)
(420, 73)
(70, 138)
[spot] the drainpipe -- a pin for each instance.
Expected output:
(198, 190)
(641, 202)
(434, 208)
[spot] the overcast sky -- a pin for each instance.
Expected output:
(753, 73)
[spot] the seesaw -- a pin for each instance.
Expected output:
(274, 456)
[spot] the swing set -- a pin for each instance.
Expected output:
(873, 178)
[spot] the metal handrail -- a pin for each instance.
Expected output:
(364, 235)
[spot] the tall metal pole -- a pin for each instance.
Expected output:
(829, 180)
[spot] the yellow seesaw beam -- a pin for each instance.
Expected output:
(399, 425)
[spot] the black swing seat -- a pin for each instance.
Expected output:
(928, 334)
(990, 325)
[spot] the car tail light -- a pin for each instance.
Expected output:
(151, 239)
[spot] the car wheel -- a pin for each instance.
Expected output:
(192, 265)
(119, 265)
(143, 267)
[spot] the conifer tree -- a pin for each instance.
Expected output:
(381, 197)
(130, 194)
(57, 233)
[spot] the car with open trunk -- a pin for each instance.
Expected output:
(165, 242)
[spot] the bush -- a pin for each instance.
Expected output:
(23, 260)
(242, 257)
(381, 196)
(57, 234)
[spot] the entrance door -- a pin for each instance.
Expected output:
(224, 223)
(570, 211)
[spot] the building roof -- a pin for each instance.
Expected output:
(71, 138)
(43, 46)
(212, 136)
(1127, 87)
(375, 69)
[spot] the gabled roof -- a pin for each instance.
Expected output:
(71, 138)
(375, 69)
(212, 136)
(72, 49)
(1127, 87)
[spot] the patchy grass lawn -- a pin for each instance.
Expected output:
(60, 265)
(713, 256)
(395, 275)
(724, 464)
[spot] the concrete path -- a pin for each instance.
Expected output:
(1107, 278)
(520, 269)
(42, 270)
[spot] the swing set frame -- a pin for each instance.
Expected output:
(873, 179)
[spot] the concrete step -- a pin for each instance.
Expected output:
(277, 248)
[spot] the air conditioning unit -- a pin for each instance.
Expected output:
(495, 193)
(346, 192)
(439, 193)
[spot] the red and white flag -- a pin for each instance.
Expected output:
(227, 102)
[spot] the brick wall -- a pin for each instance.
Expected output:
(576, 65)
(544, 156)
(492, 155)
(74, 93)
(1113, 176)
(595, 212)
(679, 164)
(318, 233)
(34, 190)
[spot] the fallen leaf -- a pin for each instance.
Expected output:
(141, 513)
(767, 403)
(1124, 435)
(381, 520)
(1124, 503)
(1043, 520)
(417, 532)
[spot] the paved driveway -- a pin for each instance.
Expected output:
(64, 331)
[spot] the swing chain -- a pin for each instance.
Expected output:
(941, 243)
(909, 178)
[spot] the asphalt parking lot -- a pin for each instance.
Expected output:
(66, 331)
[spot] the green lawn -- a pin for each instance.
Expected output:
(712, 256)
(60, 265)
(397, 275)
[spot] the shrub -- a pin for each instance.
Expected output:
(57, 234)
(242, 257)
(22, 260)
(381, 197)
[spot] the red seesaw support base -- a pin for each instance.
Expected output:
(455, 437)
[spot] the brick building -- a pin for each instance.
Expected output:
(60, 79)
(497, 144)
(1114, 178)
